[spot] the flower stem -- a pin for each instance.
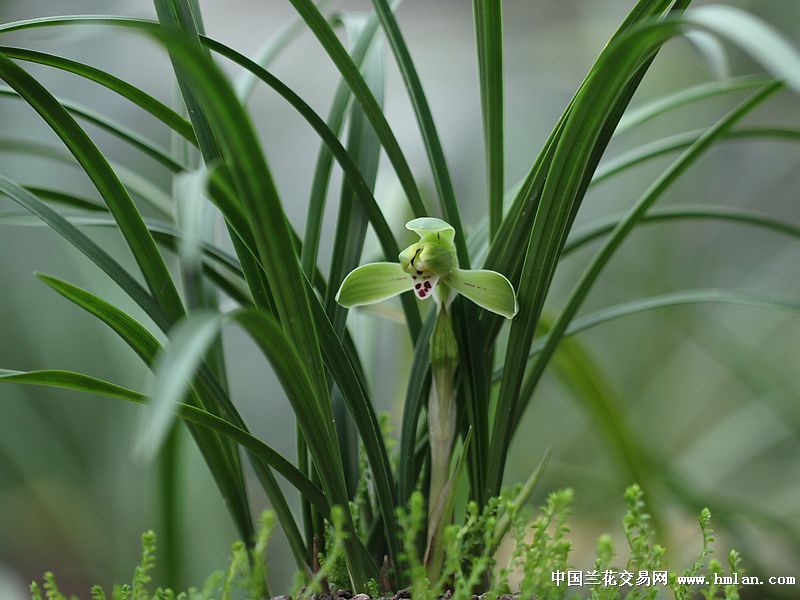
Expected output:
(441, 429)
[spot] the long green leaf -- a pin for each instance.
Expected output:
(140, 241)
(351, 230)
(243, 153)
(352, 220)
(706, 296)
(566, 184)
(272, 47)
(163, 233)
(84, 383)
(488, 16)
(419, 381)
(223, 465)
(361, 33)
(659, 106)
(597, 229)
(339, 363)
(376, 217)
(753, 35)
(624, 227)
(66, 198)
(184, 19)
(680, 298)
(89, 248)
(197, 333)
(136, 184)
(108, 124)
(427, 127)
(142, 99)
(682, 141)
(338, 54)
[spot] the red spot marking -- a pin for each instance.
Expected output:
(419, 285)
(427, 285)
(422, 293)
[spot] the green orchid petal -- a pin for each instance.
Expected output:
(487, 289)
(432, 229)
(372, 283)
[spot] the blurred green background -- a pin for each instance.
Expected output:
(714, 391)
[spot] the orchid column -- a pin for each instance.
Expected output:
(429, 267)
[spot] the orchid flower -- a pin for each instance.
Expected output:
(429, 267)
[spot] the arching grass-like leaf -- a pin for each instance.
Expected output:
(352, 220)
(66, 198)
(681, 141)
(199, 331)
(362, 34)
(142, 245)
(192, 414)
(707, 296)
(337, 357)
(330, 42)
(659, 106)
(754, 36)
(488, 16)
(427, 127)
(272, 47)
(419, 381)
(108, 124)
(135, 94)
(136, 184)
(572, 164)
(626, 225)
(89, 248)
(597, 229)
(680, 298)
(163, 233)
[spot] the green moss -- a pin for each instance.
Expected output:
(541, 548)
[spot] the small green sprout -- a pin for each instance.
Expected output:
(429, 267)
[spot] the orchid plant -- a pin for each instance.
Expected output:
(288, 305)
